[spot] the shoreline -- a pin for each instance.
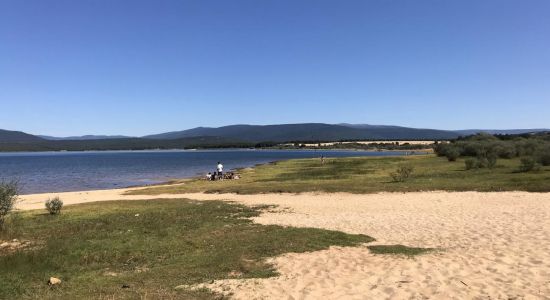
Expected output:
(37, 200)
(492, 244)
(211, 150)
(198, 175)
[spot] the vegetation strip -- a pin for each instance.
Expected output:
(139, 249)
(398, 250)
(370, 175)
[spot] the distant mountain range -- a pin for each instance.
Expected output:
(83, 137)
(235, 135)
(17, 137)
(118, 144)
(309, 132)
(500, 131)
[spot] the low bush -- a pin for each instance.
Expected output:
(491, 159)
(529, 164)
(480, 162)
(543, 156)
(471, 163)
(54, 205)
(8, 196)
(441, 148)
(452, 153)
(402, 173)
(474, 148)
(506, 150)
(493, 147)
(528, 147)
(544, 159)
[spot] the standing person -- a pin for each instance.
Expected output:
(220, 170)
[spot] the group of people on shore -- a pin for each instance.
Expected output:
(219, 175)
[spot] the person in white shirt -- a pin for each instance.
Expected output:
(220, 170)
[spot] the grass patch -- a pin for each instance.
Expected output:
(150, 246)
(368, 175)
(398, 250)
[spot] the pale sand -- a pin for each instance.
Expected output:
(494, 245)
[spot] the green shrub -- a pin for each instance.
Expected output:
(543, 156)
(544, 159)
(472, 148)
(482, 162)
(471, 163)
(8, 196)
(506, 150)
(402, 173)
(528, 147)
(54, 205)
(491, 159)
(452, 153)
(441, 148)
(529, 164)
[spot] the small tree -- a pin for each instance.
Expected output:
(482, 162)
(452, 153)
(8, 195)
(471, 163)
(402, 173)
(491, 159)
(528, 164)
(54, 205)
(543, 156)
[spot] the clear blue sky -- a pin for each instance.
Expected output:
(140, 67)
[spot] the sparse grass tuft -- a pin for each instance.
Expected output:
(402, 173)
(398, 250)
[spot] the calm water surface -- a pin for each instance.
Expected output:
(40, 172)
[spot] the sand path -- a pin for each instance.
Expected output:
(495, 245)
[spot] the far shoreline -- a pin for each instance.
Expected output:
(427, 150)
(178, 180)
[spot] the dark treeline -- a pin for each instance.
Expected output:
(357, 146)
(480, 145)
(124, 144)
(485, 149)
(206, 142)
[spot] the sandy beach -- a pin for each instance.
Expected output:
(492, 245)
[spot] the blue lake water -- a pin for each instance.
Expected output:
(74, 171)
